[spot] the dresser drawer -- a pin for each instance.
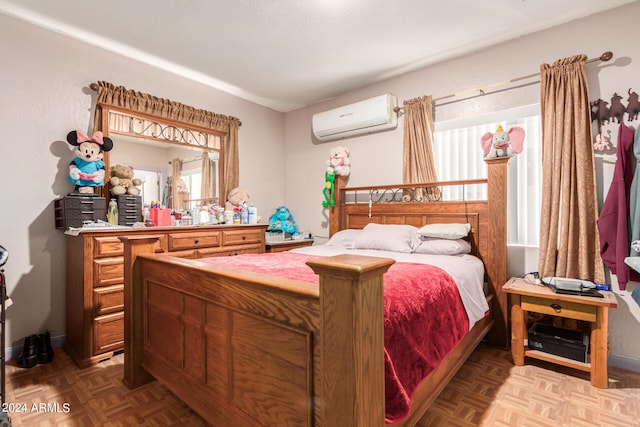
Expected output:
(107, 247)
(112, 246)
(109, 271)
(181, 241)
(108, 333)
(559, 308)
(108, 299)
(241, 237)
(255, 248)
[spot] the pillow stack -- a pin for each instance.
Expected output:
(432, 239)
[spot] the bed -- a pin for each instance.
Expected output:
(244, 348)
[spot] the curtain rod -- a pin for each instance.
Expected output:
(606, 56)
(189, 159)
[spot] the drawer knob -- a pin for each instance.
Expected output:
(196, 241)
(244, 237)
(556, 307)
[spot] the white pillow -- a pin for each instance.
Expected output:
(401, 238)
(344, 238)
(445, 231)
(436, 246)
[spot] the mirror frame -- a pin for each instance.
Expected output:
(102, 124)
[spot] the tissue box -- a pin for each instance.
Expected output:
(161, 217)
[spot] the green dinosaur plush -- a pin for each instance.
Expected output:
(329, 178)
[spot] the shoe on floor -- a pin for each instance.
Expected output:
(45, 352)
(29, 356)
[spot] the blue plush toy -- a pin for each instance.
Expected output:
(283, 220)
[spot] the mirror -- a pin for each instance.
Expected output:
(158, 150)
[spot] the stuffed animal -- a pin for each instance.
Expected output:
(86, 170)
(339, 161)
(501, 143)
(236, 197)
(283, 220)
(338, 164)
(329, 178)
(123, 182)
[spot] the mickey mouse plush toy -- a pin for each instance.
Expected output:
(86, 170)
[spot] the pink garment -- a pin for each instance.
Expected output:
(613, 224)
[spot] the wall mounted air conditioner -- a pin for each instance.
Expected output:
(368, 116)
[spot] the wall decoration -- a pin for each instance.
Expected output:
(613, 112)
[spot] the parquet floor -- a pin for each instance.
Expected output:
(487, 391)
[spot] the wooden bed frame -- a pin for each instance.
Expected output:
(244, 349)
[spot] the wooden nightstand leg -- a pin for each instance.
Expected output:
(517, 331)
(599, 375)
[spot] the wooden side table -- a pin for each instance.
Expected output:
(286, 245)
(540, 299)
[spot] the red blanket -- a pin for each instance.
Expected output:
(423, 312)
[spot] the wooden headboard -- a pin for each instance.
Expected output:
(356, 207)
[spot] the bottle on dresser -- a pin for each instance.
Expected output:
(253, 214)
(244, 214)
(112, 212)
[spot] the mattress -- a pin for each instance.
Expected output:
(466, 270)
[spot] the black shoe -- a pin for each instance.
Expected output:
(29, 356)
(45, 352)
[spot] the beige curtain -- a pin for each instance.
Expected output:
(176, 194)
(119, 96)
(206, 189)
(569, 243)
(418, 161)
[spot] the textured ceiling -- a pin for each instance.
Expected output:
(286, 54)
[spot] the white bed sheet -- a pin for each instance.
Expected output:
(467, 271)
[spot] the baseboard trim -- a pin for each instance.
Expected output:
(614, 360)
(624, 362)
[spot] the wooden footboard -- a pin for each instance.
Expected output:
(244, 349)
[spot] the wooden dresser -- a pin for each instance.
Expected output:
(95, 277)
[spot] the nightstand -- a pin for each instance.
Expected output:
(528, 297)
(285, 245)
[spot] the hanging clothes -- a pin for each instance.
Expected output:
(634, 198)
(613, 225)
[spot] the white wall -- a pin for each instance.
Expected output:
(377, 159)
(45, 78)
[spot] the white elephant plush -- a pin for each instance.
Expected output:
(501, 143)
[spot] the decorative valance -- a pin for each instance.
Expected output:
(119, 96)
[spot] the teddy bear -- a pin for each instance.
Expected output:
(338, 164)
(236, 198)
(123, 182)
(339, 161)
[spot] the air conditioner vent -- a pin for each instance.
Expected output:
(368, 116)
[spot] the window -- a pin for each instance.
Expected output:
(459, 156)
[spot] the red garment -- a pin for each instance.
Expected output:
(613, 224)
